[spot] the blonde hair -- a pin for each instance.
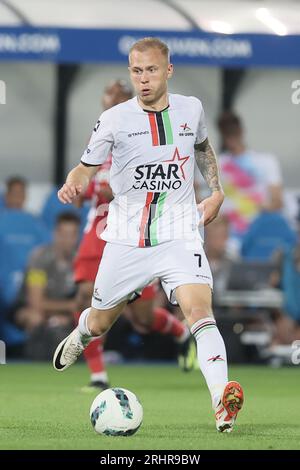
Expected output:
(151, 43)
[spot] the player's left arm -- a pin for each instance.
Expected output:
(207, 163)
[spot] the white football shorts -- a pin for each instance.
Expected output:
(125, 270)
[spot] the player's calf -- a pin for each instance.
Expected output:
(96, 322)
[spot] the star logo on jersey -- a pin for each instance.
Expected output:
(178, 158)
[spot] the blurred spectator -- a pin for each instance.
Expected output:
(291, 282)
(49, 289)
(15, 195)
(116, 92)
(52, 208)
(47, 300)
(268, 233)
(287, 278)
(251, 180)
(216, 248)
(2, 203)
(20, 232)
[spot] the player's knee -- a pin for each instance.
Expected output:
(197, 313)
(143, 325)
(146, 322)
(97, 327)
(98, 323)
(142, 319)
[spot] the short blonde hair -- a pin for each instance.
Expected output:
(151, 43)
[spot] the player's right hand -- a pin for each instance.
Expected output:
(68, 192)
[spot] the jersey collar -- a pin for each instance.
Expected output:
(150, 111)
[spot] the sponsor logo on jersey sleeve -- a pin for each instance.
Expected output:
(97, 125)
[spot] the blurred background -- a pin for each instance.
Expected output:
(241, 58)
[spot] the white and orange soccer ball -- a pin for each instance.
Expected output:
(116, 412)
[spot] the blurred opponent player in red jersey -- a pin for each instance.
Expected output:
(142, 313)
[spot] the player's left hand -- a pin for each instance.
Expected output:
(210, 207)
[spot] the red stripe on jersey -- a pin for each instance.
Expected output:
(153, 125)
(145, 219)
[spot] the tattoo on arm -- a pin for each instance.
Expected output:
(207, 163)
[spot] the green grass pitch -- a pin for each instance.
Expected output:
(43, 409)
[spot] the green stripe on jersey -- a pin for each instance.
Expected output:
(158, 212)
(167, 126)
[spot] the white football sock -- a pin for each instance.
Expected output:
(211, 355)
(82, 324)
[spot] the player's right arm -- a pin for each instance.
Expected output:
(76, 183)
(100, 145)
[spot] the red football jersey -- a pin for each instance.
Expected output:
(91, 244)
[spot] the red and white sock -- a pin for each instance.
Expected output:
(93, 354)
(167, 324)
(211, 355)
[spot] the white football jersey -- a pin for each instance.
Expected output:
(152, 172)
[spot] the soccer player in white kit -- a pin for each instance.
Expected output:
(153, 221)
